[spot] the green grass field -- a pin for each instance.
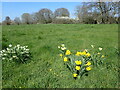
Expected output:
(43, 41)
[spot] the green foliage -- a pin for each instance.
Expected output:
(46, 70)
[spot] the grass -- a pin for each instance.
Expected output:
(43, 41)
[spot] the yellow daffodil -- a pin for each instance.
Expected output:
(98, 53)
(88, 54)
(78, 62)
(83, 53)
(68, 52)
(75, 75)
(65, 59)
(78, 54)
(88, 68)
(102, 56)
(77, 67)
(88, 63)
(50, 69)
(61, 55)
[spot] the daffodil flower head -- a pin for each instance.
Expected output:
(88, 54)
(102, 56)
(61, 55)
(77, 67)
(88, 63)
(10, 45)
(63, 48)
(83, 53)
(78, 62)
(98, 53)
(65, 59)
(78, 54)
(75, 75)
(100, 48)
(68, 52)
(88, 68)
(58, 46)
(63, 45)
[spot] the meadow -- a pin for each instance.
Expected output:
(46, 68)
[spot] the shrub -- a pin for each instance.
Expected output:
(19, 54)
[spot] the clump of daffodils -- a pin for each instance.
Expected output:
(80, 62)
(16, 53)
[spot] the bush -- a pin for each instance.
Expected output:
(19, 54)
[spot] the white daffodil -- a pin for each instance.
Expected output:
(100, 48)
(8, 49)
(18, 45)
(27, 49)
(10, 45)
(14, 56)
(63, 45)
(3, 50)
(58, 46)
(63, 48)
(5, 54)
(3, 58)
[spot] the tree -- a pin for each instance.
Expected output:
(26, 18)
(61, 12)
(45, 15)
(100, 11)
(7, 20)
(17, 20)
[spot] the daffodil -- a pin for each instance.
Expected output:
(50, 69)
(68, 52)
(102, 56)
(88, 54)
(58, 46)
(100, 48)
(88, 68)
(78, 54)
(83, 53)
(75, 75)
(98, 53)
(63, 45)
(77, 67)
(61, 55)
(88, 63)
(63, 48)
(78, 62)
(65, 59)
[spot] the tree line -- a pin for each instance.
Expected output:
(86, 13)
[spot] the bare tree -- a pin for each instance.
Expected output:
(44, 15)
(100, 11)
(26, 18)
(17, 20)
(61, 12)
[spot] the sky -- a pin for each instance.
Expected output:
(16, 9)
